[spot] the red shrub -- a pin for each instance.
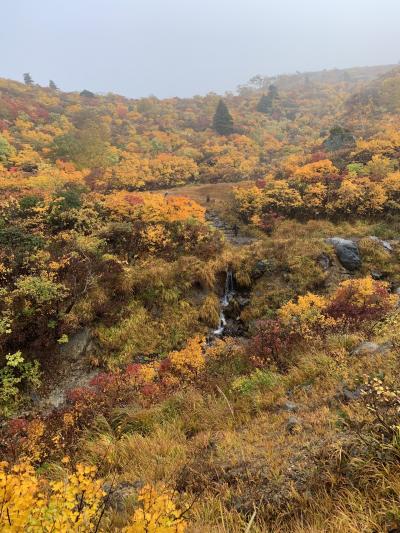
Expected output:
(17, 426)
(133, 369)
(149, 390)
(318, 156)
(271, 343)
(80, 394)
(104, 381)
(360, 300)
(165, 366)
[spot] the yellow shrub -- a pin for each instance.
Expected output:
(304, 314)
(30, 504)
(190, 360)
(157, 513)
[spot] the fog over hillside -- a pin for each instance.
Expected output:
(183, 48)
(199, 293)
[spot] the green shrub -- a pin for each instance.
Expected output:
(16, 374)
(257, 381)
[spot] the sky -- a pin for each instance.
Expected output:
(187, 47)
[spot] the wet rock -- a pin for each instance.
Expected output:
(377, 275)
(260, 268)
(235, 306)
(294, 424)
(372, 348)
(347, 252)
(34, 397)
(234, 328)
(242, 301)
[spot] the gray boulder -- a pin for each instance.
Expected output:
(347, 252)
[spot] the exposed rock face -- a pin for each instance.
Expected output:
(347, 252)
(77, 345)
(74, 370)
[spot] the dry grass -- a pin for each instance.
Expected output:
(233, 456)
(230, 451)
(219, 193)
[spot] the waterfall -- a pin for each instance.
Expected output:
(229, 292)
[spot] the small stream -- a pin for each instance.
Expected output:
(229, 292)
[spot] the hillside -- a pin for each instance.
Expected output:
(200, 306)
(349, 76)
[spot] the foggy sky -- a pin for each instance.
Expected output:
(187, 47)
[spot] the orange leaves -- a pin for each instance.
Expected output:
(354, 301)
(316, 170)
(135, 171)
(167, 169)
(131, 171)
(155, 207)
(359, 195)
(190, 360)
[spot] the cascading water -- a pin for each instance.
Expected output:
(229, 292)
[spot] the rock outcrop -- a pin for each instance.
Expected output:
(347, 252)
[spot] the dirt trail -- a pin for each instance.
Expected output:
(232, 233)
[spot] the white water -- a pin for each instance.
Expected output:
(229, 292)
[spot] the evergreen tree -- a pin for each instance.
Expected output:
(264, 104)
(28, 79)
(339, 138)
(266, 101)
(273, 91)
(87, 94)
(53, 86)
(223, 121)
